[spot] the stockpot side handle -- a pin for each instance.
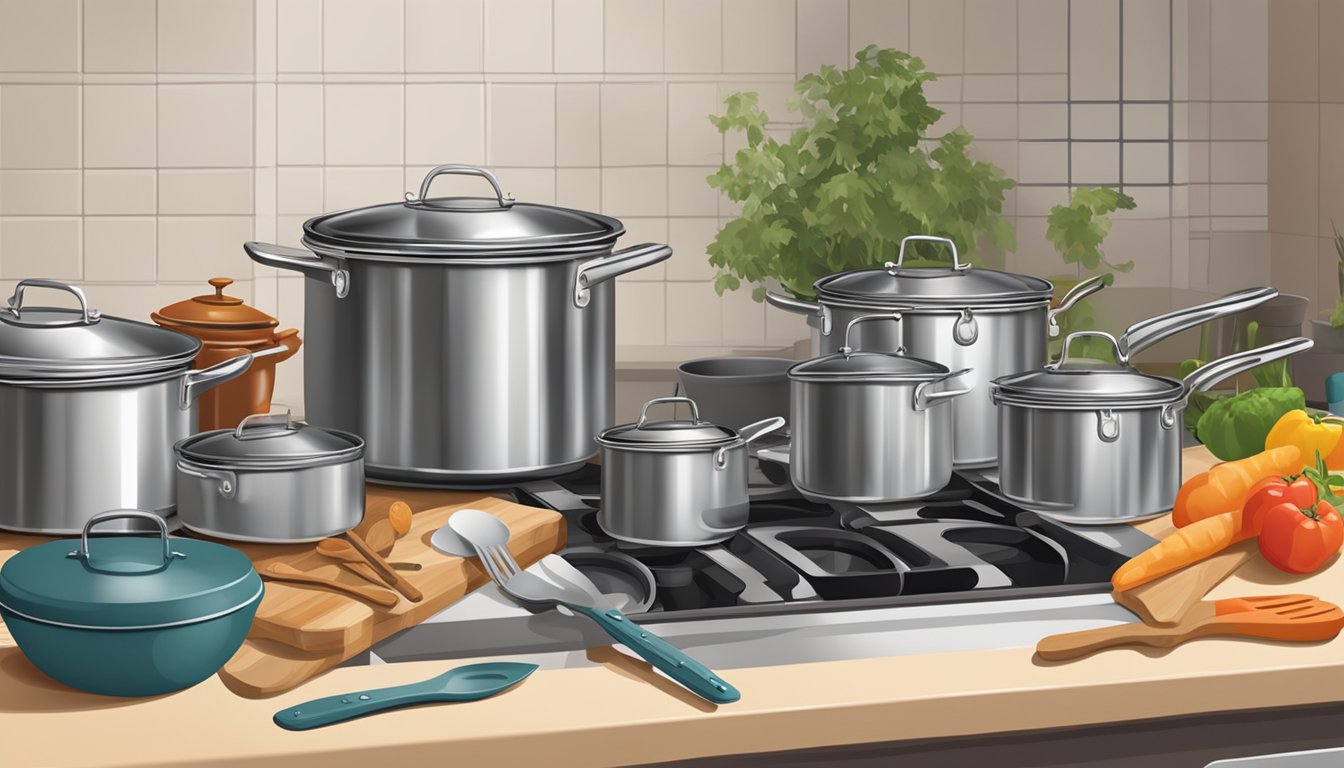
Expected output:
(299, 260)
(227, 480)
(924, 399)
(87, 316)
(1205, 377)
(800, 307)
(196, 382)
(1146, 333)
(644, 412)
(847, 349)
(957, 266)
(1074, 295)
(602, 269)
(505, 201)
(125, 514)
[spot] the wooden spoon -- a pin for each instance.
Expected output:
(377, 595)
(399, 582)
(340, 549)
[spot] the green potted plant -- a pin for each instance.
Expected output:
(1077, 230)
(862, 172)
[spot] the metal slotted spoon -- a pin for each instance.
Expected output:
(489, 537)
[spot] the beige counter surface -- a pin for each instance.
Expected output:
(611, 714)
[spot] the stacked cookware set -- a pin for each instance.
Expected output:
(469, 341)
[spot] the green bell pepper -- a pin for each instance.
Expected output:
(1235, 427)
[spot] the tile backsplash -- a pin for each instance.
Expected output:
(142, 142)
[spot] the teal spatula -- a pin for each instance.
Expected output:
(469, 683)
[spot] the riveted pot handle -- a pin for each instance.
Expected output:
(1146, 333)
(1205, 377)
(1075, 294)
(300, 260)
(957, 266)
(600, 270)
(924, 399)
(196, 382)
(87, 316)
(644, 412)
(505, 201)
(124, 514)
(228, 481)
(800, 307)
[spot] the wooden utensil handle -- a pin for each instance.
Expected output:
(386, 571)
(373, 594)
(366, 572)
(1073, 645)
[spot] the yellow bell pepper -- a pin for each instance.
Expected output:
(1309, 433)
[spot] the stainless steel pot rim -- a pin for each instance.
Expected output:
(187, 450)
(1131, 404)
(127, 379)
(834, 296)
(860, 366)
(1007, 389)
(919, 306)
(485, 256)
(687, 446)
(261, 588)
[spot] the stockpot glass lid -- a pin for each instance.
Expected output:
(961, 284)
(271, 441)
(669, 433)
(1087, 382)
(463, 226)
(128, 581)
(57, 343)
(851, 363)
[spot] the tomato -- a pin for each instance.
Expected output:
(1272, 491)
(1299, 540)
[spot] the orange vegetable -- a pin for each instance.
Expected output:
(1185, 546)
(1226, 487)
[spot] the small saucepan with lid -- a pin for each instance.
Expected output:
(271, 480)
(676, 482)
(1093, 442)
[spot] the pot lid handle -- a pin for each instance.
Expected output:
(644, 412)
(505, 201)
(120, 514)
(847, 350)
(957, 266)
(89, 316)
(263, 419)
(1068, 341)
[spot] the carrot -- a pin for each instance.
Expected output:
(1225, 487)
(1186, 546)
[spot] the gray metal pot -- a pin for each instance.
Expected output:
(468, 340)
(94, 405)
(1091, 442)
(737, 391)
(676, 483)
(867, 426)
(270, 480)
(994, 323)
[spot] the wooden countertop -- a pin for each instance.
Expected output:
(610, 714)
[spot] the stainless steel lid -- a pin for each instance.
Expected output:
(868, 365)
(480, 227)
(40, 343)
(669, 433)
(271, 441)
(1077, 383)
(958, 285)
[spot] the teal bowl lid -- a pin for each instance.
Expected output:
(129, 581)
(1334, 387)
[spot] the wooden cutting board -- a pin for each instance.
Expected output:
(302, 631)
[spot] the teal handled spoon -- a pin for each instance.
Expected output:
(469, 683)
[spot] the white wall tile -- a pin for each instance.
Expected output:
(445, 123)
(119, 124)
(39, 126)
(1240, 50)
(884, 23)
(634, 191)
(1146, 121)
(634, 124)
(1239, 120)
(1043, 121)
(694, 315)
(298, 191)
(299, 35)
(1147, 164)
(120, 249)
(989, 88)
(48, 246)
(1199, 60)
(1096, 163)
(1094, 35)
(356, 187)
(426, 21)
(1043, 35)
(213, 191)
(760, 35)
(40, 193)
(689, 238)
(689, 194)
(119, 192)
(363, 124)
(640, 314)
(299, 131)
(692, 138)
(1042, 88)
(205, 125)
(991, 36)
(633, 35)
(1239, 161)
(936, 34)
(522, 125)
(578, 36)
(197, 248)
(1147, 51)
(362, 36)
(39, 36)
(823, 35)
(533, 185)
(1043, 162)
(518, 36)
(205, 36)
(743, 318)
(990, 121)
(1238, 199)
(579, 188)
(578, 120)
(120, 36)
(1095, 121)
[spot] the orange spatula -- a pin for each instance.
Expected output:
(1299, 618)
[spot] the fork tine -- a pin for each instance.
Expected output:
(506, 560)
(491, 568)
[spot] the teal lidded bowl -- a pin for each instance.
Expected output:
(129, 615)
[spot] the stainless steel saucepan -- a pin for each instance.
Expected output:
(1090, 442)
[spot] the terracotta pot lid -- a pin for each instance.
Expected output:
(215, 311)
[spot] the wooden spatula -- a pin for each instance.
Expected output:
(1295, 618)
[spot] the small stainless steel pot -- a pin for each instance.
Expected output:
(270, 480)
(867, 426)
(1089, 442)
(676, 483)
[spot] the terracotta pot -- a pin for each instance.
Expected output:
(227, 328)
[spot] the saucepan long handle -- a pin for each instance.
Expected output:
(1146, 333)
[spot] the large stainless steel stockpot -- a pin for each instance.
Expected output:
(1090, 442)
(994, 323)
(868, 427)
(270, 479)
(468, 340)
(676, 483)
(93, 405)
